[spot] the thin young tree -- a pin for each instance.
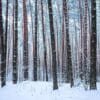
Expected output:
(54, 66)
(93, 45)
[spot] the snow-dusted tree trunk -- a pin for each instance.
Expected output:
(2, 43)
(6, 31)
(6, 26)
(35, 47)
(44, 41)
(69, 59)
(63, 50)
(54, 66)
(25, 48)
(85, 42)
(15, 44)
(81, 41)
(93, 45)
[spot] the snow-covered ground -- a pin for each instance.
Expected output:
(43, 91)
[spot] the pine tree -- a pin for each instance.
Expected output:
(54, 67)
(93, 44)
(81, 41)
(15, 44)
(69, 60)
(35, 47)
(6, 26)
(63, 50)
(3, 58)
(85, 42)
(44, 41)
(25, 48)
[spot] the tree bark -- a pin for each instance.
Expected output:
(25, 48)
(3, 58)
(54, 67)
(93, 45)
(35, 51)
(69, 59)
(44, 41)
(15, 44)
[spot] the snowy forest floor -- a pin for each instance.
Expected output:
(43, 91)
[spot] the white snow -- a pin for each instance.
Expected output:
(43, 91)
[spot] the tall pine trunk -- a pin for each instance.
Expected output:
(93, 45)
(6, 26)
(15, 44)
(69, 59)
(25, 48)
(3, 58)
(85, 43)
(44, 41)
(35, 47)
(54, 67)
(81, 41)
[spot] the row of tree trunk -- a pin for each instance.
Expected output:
(89, 76)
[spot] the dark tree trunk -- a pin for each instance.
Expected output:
(63, 56)
(15, 44)
(69, 59)
(64, 53)
(6, 25)
(35, 51)
(44, 41)
(6, 31)
(93, 45)
(25, 48)
(3, 58)
(54, 67)
(81, 41)
(85, 43)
